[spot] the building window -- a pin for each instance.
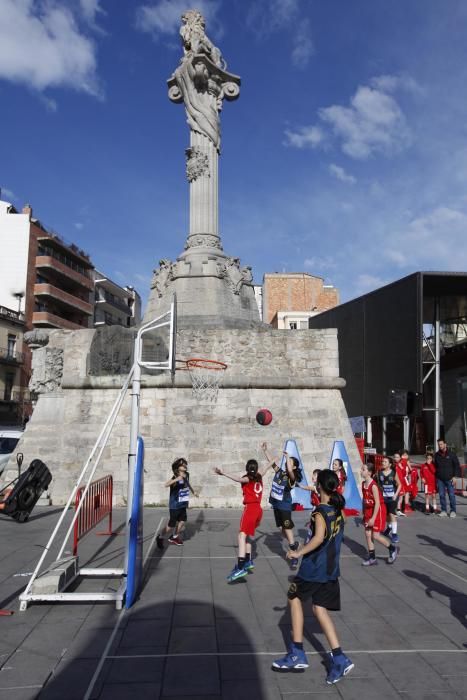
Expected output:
(9, 381)
(293, 325)
(11, 345)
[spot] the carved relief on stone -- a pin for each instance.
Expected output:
(163, 276)
(203, 239)
(235, 276)
(197, 163)
(37, 338)
(47, 370)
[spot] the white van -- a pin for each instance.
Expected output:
(8, 440)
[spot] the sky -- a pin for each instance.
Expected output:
(345, 155)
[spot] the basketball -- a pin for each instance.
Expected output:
(264, 416)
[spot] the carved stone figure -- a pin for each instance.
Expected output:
(194, 39)
(197, 163)
(47, 370)
(233, 275)
(162, 276)
(200, 81)
(36, 338)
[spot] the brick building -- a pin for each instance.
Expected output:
(289, 299)
(15, 405)
(56, 285)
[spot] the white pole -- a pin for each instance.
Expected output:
(437, 373)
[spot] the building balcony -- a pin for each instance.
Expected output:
(15, 317)
(45, 319)
(112, 304)
(64, 269)
(11, 358)
(44, 291)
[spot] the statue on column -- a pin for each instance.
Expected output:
(201, 81)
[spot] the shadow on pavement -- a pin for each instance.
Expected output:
(457, 600)
(191, 649)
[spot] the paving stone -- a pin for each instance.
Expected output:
(191, 676)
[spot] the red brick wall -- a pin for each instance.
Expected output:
(296, 292)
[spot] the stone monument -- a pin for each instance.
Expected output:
(213, 289)
(78, 374)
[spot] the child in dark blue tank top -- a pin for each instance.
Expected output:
(180, 488)
(317, 579)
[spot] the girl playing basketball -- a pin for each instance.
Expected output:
(252, 487)
(427, 472)
(318, 579)
(338, 468)
(314, 495)
(179, 497)
(390, 486)
(374, 517)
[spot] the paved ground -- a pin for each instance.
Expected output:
(191, 635)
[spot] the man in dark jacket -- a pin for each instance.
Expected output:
(447, 467)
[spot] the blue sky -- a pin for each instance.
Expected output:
(345, 155)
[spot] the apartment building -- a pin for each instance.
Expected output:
(15, 405)
(53, 277)
(113, 304)
(289, 299)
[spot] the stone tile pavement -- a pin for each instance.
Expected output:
(191, 635)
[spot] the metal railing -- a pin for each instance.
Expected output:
(11, 356)
(96, 506)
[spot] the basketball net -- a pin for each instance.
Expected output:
(206, 377)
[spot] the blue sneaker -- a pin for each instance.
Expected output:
(294, 563)
(295, 660)
(236, 574)
(249, 566)
(341, 666)
(395, 539)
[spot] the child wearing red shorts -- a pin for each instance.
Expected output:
(374, 517)
(252, 487)
(427, 473)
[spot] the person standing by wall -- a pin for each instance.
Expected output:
(446, 468)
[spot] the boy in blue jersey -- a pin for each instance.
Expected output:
(180, 488)
(318, 579)
(281, 497)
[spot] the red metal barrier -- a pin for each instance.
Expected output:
(360, 446)
(96, 506)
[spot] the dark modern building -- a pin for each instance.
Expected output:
(403, 354)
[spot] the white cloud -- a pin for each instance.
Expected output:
(265, 17)
(304, 136)
(320, 263)
(434, 240)
(7, 195)
(372, 123)
(366, 283)
(78, 225)
(341, 175)
(90, 9)
(391, 83)
(41, 47)
(164, 16)
(303, 45)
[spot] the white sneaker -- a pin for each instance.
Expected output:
(452, 514)
(443, 514)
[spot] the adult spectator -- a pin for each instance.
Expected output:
(447, 467)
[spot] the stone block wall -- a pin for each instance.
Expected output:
(295, 375)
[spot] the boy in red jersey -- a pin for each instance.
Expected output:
(252, 487)
(427, 473)
(374, 517)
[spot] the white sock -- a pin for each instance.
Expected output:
(394, 528)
